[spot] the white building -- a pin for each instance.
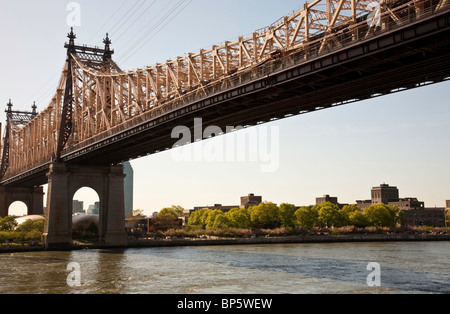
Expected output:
(93, 209)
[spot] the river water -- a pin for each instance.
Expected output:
(404, 267)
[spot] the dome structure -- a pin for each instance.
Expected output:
(83, 222)
(34, 218)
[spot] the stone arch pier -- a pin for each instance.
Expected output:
(32, 197)
(64, 181)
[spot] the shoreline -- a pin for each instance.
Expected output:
(290, 240)
(184, 242)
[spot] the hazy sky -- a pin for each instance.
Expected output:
(401, 139)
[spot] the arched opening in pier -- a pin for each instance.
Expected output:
(18, 209)
(85, 214)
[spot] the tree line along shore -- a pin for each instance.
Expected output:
(268, 219)
(264, 220)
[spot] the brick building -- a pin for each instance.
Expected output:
(384, 194)
(246, 202)
(432, 217)
(250, 200)
(408, 204)
(327, 198)
(415, 212)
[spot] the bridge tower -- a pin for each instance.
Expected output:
(65, 179)
(30, 195)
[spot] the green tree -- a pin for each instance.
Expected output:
(38, 226)
(211, 218)
(329, 215)
(30, 232)
(221, 222)
(175, 211)
(265, 215)
(382, 215)
(20, 237)
(164, 223)
(198, 219)
(346, 211)
(168, 212)
(31, 225)
(287, 217)
(33, 236)
(136, 215)
(239, 218)
(10, 236)
(92, 229)
(178, 210)
(8, 224)
(3, 237)
(358, 219)
(306, 217)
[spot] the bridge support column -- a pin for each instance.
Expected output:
(112, 213)
(63, 182)
(58, 222)
(33, 197)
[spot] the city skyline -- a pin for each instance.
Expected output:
(400, 138)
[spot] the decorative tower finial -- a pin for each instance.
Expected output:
(108, 53)
(9, 106)
(34, 107)
(107, 41)
(72, 37)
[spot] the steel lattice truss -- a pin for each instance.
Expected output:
(96, 97)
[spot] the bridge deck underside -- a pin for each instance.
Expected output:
(403, 58)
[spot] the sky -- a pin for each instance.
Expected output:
(401, 139)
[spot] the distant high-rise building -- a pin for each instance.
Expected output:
(77, 207)
(250, 200)
(94, 209)
(128, 188)
(384, 194)
(327, 198)
(415, 212)
(447, 205)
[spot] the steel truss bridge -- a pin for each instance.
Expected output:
(327, 54)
